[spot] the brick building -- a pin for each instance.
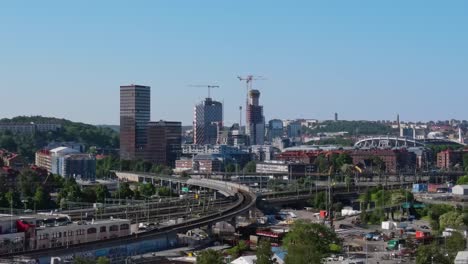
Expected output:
(450, 158)
(395, 160)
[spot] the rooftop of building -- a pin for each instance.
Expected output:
(63, 150)
(7, 154)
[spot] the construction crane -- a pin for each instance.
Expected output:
(249, 80)
(207, 86)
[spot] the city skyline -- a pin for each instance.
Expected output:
(317, 59)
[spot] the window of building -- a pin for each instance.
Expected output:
(124, 227)
(114, 228)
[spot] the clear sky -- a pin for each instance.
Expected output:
(362, 59)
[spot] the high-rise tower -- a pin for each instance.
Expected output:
(255, 123)
(207, 122)
(135, 108)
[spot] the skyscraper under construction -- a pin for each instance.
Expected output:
(255, 127)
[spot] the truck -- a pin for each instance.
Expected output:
(395, 244)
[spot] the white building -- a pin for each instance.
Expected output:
(460, 190)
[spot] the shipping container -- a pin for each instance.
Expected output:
(432, 188)
(419, 187)
(323, 214)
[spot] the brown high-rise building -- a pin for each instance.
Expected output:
(164, 142)
(135, 108)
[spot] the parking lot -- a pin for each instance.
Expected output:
(358, 249)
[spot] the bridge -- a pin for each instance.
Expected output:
(398, 142)
(243, 199)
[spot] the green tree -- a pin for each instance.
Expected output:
(102, 193)
(319, 201)
(430, 254)
(465, 162)
(322, 163)
(435, 211)
(343, 158)
(308, 243)
(103, 260)
(42, 199)
(250, 167)
(29, 181)
(264, 253)
(81, 260)
(463, 179)
(124, 191)
(88, 195)
(230, 167)
(210, 256)
(453, 219)
(164, 191)
(13, 199)
(454, 243)
(147, 189)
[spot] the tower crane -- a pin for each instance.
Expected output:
(249, 80)
(207, 86)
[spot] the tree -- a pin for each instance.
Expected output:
(164, 191)
(264, 253)
(81, 260)
(124, 191)
(230, 167)
(430, 254)
(454, 243)
(210, 256)
(250, 167)
(103, 260)
(465, 162)
(343, 159)
(101, 193)
(435, 211)
(41, 199)
(147, 189)
(322, 163)
(13, 199)
(319, 201)
(29, 181)
(308, 243)
(88, 195)
(463, 179)
(451, 219)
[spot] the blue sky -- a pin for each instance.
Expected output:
(362, 59)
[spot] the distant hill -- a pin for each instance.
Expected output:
(28, 144)
(116, 128)
(353, 128)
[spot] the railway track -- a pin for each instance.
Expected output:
(243, 202)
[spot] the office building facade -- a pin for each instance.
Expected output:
(164, 142)
(275, 129)
(135, 109)
(207, 122)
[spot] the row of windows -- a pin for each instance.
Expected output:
(92, 230)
